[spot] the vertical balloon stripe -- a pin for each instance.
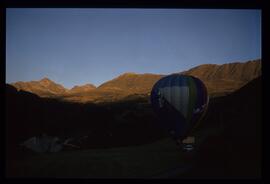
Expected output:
(173, 92)
(182, 92)
(160, 90)
(169, 96)
(184, 97)
(170, 88)
(166, 89)
(176, 93)
(156, 90)
(200, 93)
(192, 98)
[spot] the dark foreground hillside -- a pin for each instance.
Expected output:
(124, 123)
(235, 149)
(228, 139)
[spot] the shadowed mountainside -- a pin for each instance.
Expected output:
(107, 125)
(232, 150)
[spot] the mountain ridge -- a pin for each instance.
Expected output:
(82, 88)
(44, 87)
(219, 80)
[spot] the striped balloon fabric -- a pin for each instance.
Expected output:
(180, 101)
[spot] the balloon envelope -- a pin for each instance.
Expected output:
(180, 101)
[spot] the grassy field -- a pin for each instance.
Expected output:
(143, 161)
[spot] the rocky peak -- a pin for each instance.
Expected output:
(82, 88)
(46, 81)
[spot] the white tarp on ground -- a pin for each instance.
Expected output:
(43, 144)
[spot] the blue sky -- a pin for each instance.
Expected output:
(78, 46)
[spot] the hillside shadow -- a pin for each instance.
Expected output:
(233, 149)
(125, 123)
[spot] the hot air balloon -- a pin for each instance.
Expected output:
(180, 101)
